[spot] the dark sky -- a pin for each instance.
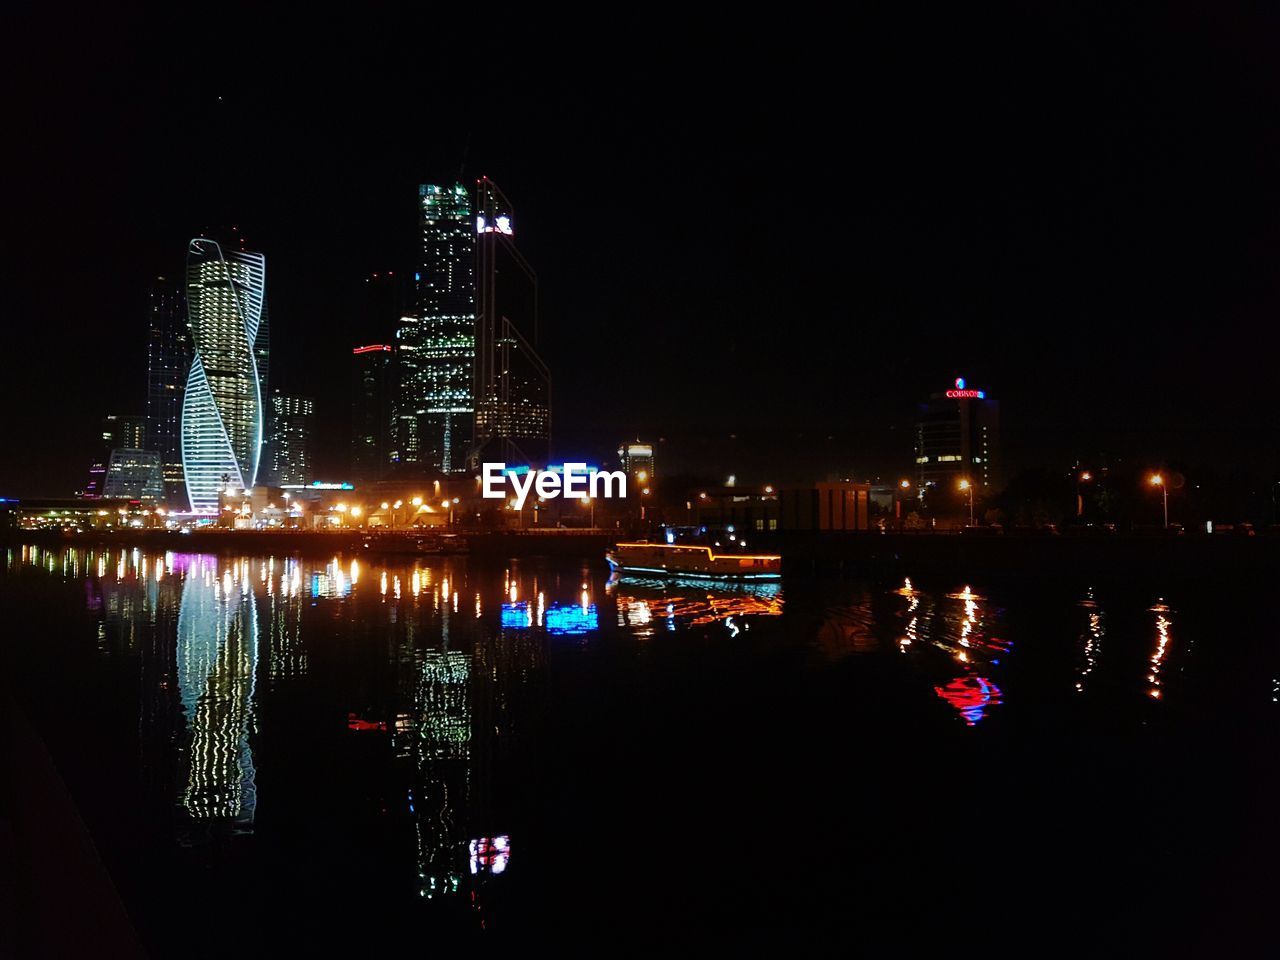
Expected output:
(762, 238)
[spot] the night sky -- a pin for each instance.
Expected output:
(764, 239)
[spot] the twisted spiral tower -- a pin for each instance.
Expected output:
(222, 417)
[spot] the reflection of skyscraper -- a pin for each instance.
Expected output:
(158, 692)
(168, 363)
(444, 752)
(436, 346)
(222, 415)
(288, 656)
(217, 659)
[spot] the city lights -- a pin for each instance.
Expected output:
(623, 580)
(1157, 480)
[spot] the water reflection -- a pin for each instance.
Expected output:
(644, 602)
(217, 659)
(1091, 638)
(1163, 623)
(434, 676)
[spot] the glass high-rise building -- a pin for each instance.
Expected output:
(134, 474)
(118, 432)
(435, 348)
(168, 364)
(222, 409)
(371, 394)
(290, 457)
(512, 384)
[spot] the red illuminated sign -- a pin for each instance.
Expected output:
(373, 348)
(967, 394)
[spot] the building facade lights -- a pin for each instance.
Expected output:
(222, 409)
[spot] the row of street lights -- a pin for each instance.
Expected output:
(965, 486)
(1156, 480)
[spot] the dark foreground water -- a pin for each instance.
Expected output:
(276, 751)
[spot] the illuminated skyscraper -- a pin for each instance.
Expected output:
(292, 432)
(958, 437)
(371, 395)
(512, 384)
(168, 363)
(134, 474)
(118, 432)
(637, 459)
(222, 410)
(435, 348)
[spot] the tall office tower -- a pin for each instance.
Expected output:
(436, 347)
(512, 384)
(958, 438)
(371, 387)
(168, 363)
(637, 459)
(222, 410)
(118, 432)
(292, 432)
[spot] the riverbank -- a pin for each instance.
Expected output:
(513, 543)
(1010, 556)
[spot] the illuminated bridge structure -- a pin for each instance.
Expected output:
(222, 417)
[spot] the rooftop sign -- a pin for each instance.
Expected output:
(962, 393)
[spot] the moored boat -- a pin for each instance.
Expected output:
(688, 560)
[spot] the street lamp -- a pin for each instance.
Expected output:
(966, 485)
(1158, 481)
(591, 502)
(904, 486)
(1083, 477)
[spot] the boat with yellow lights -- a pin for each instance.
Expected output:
(689, 560)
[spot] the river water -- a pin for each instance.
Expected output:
(270, 750)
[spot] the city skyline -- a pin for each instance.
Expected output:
(986, 239)
(639, 414)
